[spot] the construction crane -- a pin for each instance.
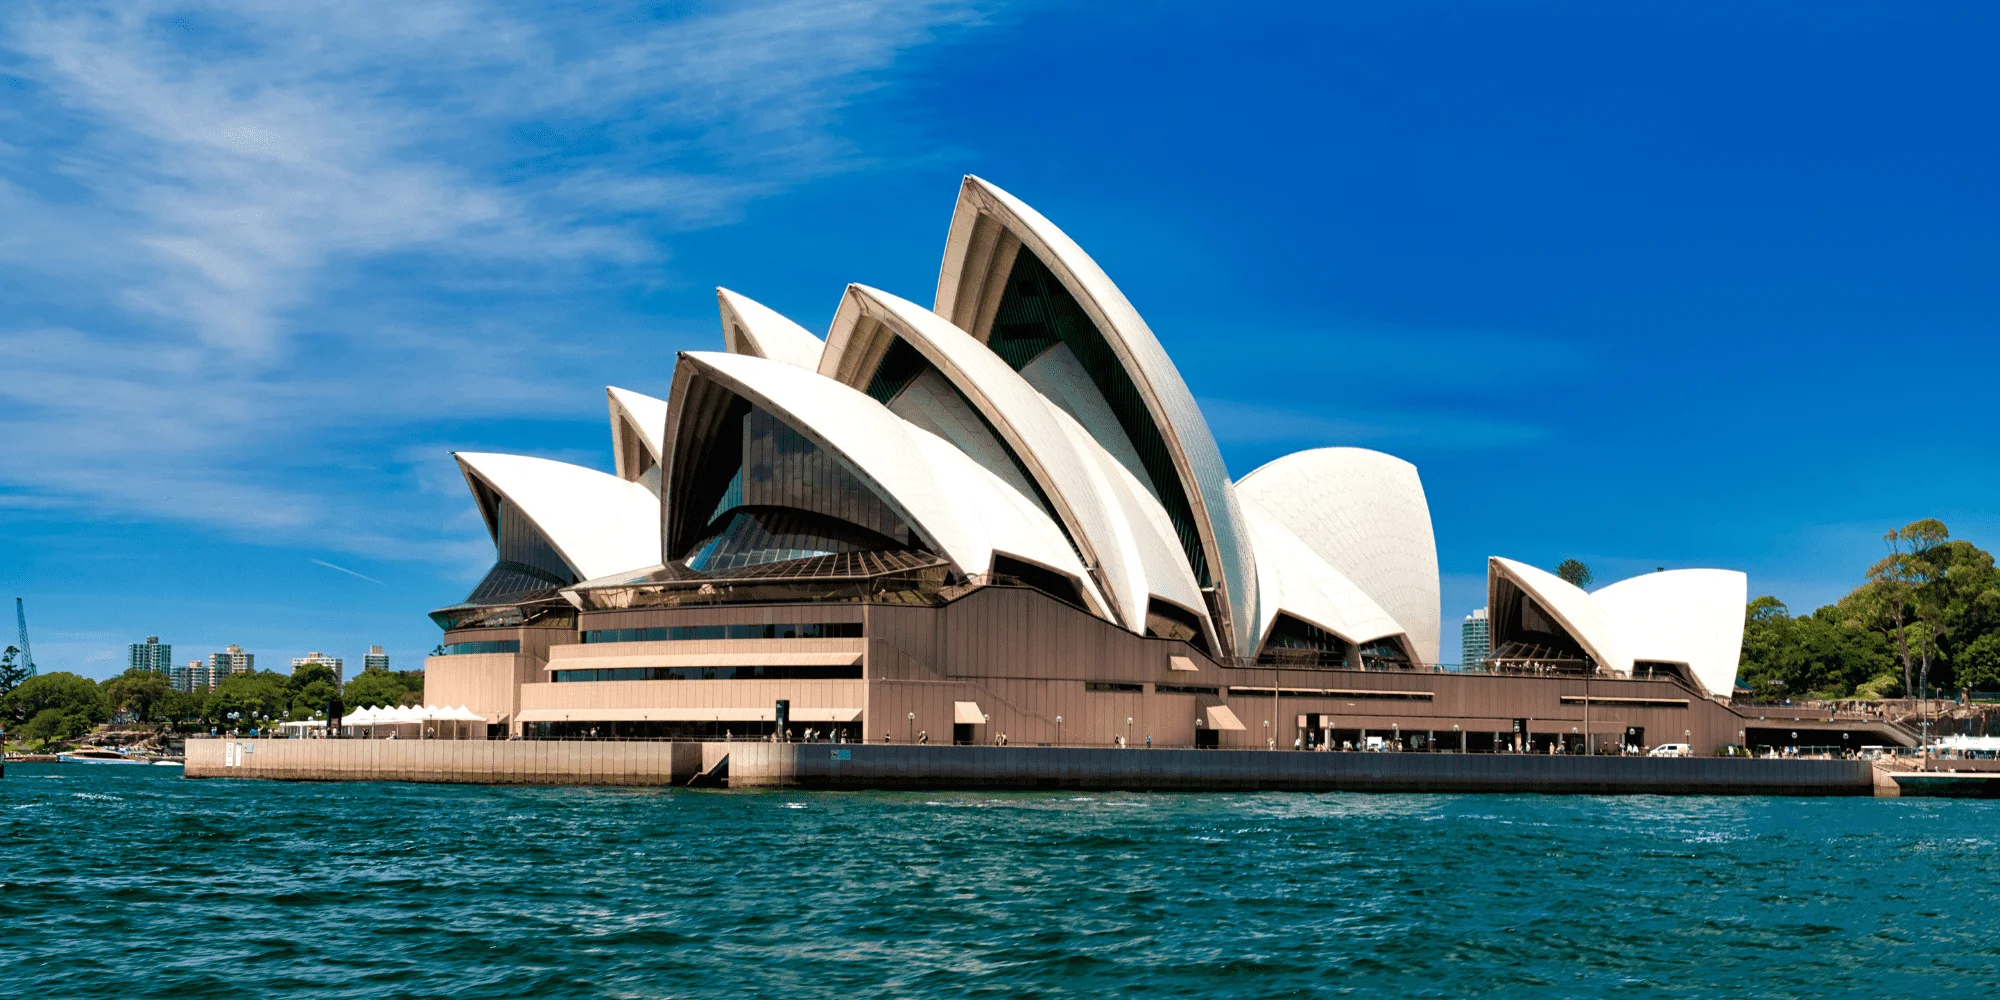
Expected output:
(27, 655)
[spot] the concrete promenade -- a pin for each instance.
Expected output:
(904, 766)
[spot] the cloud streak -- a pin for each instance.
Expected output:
(248, 242)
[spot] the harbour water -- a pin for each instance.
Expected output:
(135, 882)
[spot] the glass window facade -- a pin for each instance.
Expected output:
(1294, 643)
(673, 633)
(491, 646)
(756, 536)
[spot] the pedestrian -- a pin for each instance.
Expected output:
(1149, 741)
(924, 737)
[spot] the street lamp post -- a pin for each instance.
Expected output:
(1268, 741)
(1128, 731)
(913, 727)
(1058, 730)
(1458, 736)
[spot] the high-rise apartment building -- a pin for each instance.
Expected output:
(152, 655)
(1475, 638)
(334, 663)
(375, 660)
(195, 678)
(232, 660)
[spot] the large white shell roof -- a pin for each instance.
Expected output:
(1204, 478)
(1023, 417)
(599, 524)
(964, 512)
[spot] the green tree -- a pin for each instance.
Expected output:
(137, 691)
(413, 686)
(180, 707)
(311, 672)
(12, 671)
(53, 725)
(248, 699)
(1978, 665)
(1573, 571)
(66, 693)
(311, 700)
(371, 688)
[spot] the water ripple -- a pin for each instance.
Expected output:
(151, 885)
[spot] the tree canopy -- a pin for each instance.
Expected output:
(1573, 571)
(1926, 618)
(377, 687)
(137, 691)
(55, 706)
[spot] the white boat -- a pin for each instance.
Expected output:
(97, 757)
(169, 763)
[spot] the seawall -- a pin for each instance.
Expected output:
(903, 766)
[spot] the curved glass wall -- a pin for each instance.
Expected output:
(755, 536)
(1295, 643)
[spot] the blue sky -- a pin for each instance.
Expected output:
(1669, 285)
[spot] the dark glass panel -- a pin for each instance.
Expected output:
(901, 364)
(774, 673)
(494, 646)
(673, 633)
(1170, 621)
(1295, 643)
(754, 536)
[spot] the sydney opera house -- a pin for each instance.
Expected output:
(1002, 517)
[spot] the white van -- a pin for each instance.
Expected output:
(1671, 750)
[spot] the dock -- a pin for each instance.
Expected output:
(857, 766)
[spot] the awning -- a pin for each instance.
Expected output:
(704, 660)
(408, 715)
(1182, 663)
(1220, 717)
(967, 713)
(765, 714)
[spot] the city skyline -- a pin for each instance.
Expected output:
(1633, 325)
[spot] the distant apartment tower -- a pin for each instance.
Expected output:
(195, 678)
(375, 660)
(232, 660)
(1475, 638)
(334, 663)
(152, 655)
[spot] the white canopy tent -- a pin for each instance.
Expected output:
(428, 722)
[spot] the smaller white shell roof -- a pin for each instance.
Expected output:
(646, 414)
(964, 511)
(1573, 609)
(1364, 513)
(598, 523)
(1293, 580)
(1691, 616)
(752, 328)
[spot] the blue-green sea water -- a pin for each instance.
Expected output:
(135, 882)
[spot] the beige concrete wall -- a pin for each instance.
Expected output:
(505, 762)
(487, 683)
(694, 694)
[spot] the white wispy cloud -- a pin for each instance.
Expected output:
(245, 241)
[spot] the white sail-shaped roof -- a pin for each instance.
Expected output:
(599, 524)
(963, 512)
(637, 421)
(1142, 531)
(1021, 416)
(750, 327)
(1293, 580)
(1564, 602)
(1691, 616)
(1365, 514)
(988, 229)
